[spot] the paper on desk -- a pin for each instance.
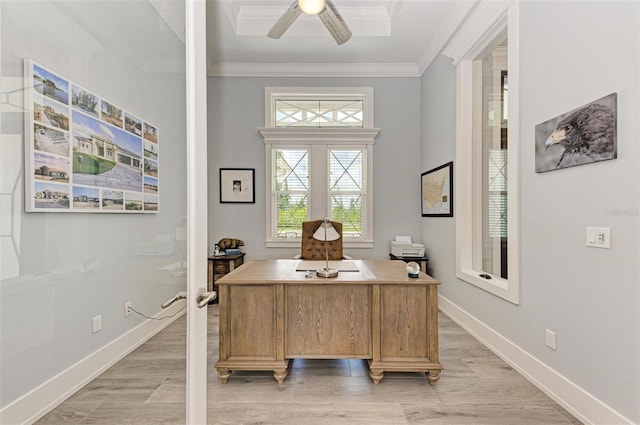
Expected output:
(404, 239)
(341, 266)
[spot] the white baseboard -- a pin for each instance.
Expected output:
(38, 402)
(574, 399)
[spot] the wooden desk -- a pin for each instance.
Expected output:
(270, 313)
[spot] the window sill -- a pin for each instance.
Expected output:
(495, 285)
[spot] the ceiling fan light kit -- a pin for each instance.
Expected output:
(312, 7)
(325, 10)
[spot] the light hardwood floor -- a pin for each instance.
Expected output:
(475, 388)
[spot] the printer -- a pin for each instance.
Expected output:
(403, 247)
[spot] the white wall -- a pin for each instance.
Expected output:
(589, 297)
(60, 270)
(236, 110)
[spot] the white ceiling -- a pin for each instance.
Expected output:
(390, 38)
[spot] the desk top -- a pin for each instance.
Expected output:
(257, 272)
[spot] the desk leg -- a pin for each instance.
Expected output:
(224, 374)
(376, 375)
(280, 375)
(433, 375)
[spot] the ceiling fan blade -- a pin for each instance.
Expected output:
(332, 19)
(285, 21)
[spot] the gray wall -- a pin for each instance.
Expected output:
(236, 110)
(60, 270)
(590, 297)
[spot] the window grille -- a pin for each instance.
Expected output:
(319, 113)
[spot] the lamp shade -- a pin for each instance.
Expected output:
(326, 232)
(312, 7)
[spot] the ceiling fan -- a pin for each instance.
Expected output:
(323, 8)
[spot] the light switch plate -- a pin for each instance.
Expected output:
(550, 339)
(96, 323)
(599, 237)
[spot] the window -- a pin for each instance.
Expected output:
(487, 172)
(347, 190)
(491, 161)
(318, 113)
(319, 107)
(290, 191)
(319, 150)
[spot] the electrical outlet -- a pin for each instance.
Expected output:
(127, 309)
(550, 339)
(96, 323)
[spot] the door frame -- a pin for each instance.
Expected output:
(196, 119)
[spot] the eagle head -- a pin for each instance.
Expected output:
(586, 134)
(558, 136)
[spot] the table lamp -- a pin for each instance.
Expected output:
(326, 232)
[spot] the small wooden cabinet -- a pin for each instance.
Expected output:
(220, 266)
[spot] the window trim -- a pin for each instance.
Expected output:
(488, 22)
(325, 138)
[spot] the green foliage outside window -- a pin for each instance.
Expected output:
(350, 216)
(292, 210)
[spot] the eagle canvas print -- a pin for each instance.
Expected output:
(581, 136)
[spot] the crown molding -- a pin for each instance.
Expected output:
(450, 26)
(478, 30)
(237, 69)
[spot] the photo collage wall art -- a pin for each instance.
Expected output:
(84, 153)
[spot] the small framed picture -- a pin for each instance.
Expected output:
(237, 186)
(437, 191)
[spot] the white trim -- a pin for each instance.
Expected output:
(513, 154)
(242, 69)
(566, 393)
(305, 136)
(319, 92)
(447, 29)
(464, 181)
(50, 394)
(482, 26)
(197, 219)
